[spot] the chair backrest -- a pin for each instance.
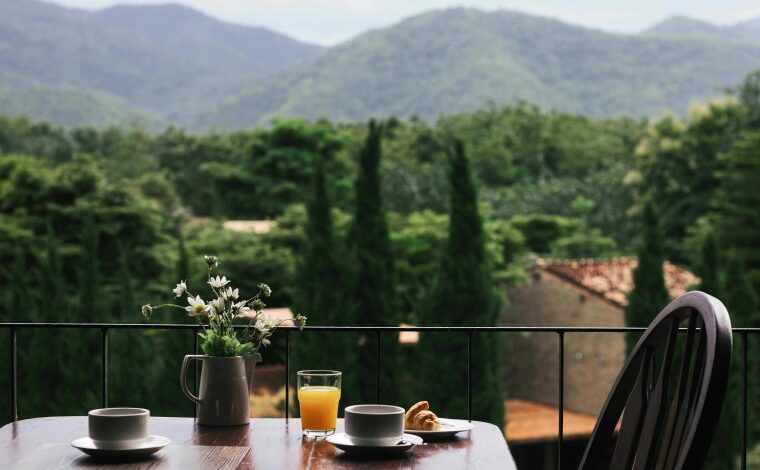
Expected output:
(666, 401)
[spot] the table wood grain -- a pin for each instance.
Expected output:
(267, 443)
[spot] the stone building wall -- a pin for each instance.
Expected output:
(530, 362)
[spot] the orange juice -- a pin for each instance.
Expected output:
(319, 407)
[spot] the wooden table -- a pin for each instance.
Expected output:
(267, 443)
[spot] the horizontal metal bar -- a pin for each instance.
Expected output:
(495, 329)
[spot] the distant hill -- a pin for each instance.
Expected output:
(74, 108)
(168, 59)
(459, 59)
(684, 26)
(169, 63)
(222, 48)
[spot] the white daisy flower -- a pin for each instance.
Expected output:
(180, 290)
(269, 322)
(244, 312)
(231, 294)
(261, 326)
(241, 308)
(196, 306)
(218, 282)
(217, 305)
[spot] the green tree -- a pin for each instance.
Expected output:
(725, 445)
(322, 291)
(749, 94)
(464, 295)
(649, 294)
(736, 205)
(679, 166)
(374, 285)
(710, 268)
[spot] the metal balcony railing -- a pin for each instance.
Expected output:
(14, 328)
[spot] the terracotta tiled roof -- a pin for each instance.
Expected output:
(253, 226)
(257, 227)
(528, 421)
(278, 313)
(408, 337)
(613, 278)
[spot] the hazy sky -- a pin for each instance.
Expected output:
(333, 21)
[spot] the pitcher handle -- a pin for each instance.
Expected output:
(183, 376)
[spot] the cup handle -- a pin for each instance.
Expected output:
(183, 376)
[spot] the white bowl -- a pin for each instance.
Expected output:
(118, 428)
(374, 425)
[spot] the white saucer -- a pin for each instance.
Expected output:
(342, 442)
(449, 427)
(150, 445)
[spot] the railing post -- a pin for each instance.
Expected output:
(14, 374)
(377, 366)
(561, 407)
(287, 375)
(104, 338)
(745, 366)
(469, 375)
(196, 379)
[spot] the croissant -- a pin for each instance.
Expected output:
(426, 420)
(420, 418)
(409, 416)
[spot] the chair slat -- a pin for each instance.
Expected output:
(630, 426)
(674, 430)
(696, 383)
(647, 449)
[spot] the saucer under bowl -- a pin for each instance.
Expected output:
(406, 443)
(142, 448)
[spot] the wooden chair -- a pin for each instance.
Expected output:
(666, 401)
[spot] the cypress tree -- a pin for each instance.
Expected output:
(464, 295)
(725, 445)
(374, 283)
(88, 272)
(321, 291)
(742, 303)
(649, 294)
(183, 265)
(710, 268)
(126, 285)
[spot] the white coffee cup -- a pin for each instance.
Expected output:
(374, 425)
(118, 428)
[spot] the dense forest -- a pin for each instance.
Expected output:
(373, 224)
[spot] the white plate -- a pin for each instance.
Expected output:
(449, 427)
(149, 446)
(341, 441)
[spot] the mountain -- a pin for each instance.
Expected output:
(169, 63)
(192, 36)
(169, 60)
(459, 59)
(686, 27)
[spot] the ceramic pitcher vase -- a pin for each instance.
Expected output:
(224, 392)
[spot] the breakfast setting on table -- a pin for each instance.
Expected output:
(371, 430)
(230, 335)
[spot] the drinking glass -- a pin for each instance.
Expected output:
(318, 397)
